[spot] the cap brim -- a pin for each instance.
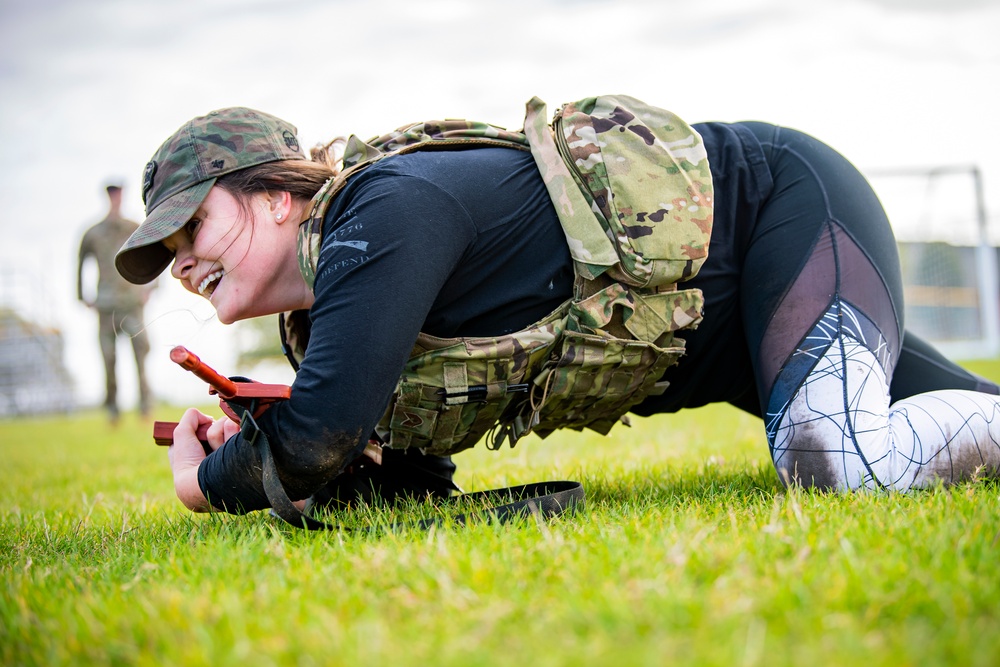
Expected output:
(143, 257)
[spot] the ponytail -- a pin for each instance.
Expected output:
(300, 178)
(330, 154)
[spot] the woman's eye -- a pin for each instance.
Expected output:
(191, 227)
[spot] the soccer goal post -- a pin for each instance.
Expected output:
(948, 255)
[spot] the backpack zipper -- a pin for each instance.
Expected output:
(567, 156)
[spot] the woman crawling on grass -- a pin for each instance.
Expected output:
(437, 298)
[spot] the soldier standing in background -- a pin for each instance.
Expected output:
(119, 303)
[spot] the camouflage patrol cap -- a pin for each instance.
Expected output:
(184, 169)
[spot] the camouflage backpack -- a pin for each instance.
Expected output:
(633, 191)
(641, 172)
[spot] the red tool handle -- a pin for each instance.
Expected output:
(163, 433)
(256, 394)
(188, 360)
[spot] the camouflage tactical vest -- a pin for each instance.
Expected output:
(633, 191)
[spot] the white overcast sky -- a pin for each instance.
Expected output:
(90, 88)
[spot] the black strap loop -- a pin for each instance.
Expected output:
(545, 499)
(281, 504)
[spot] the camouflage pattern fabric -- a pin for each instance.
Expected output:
(102, 242)
(640, 173)
(604, 350)
(185, 168)
(455, 391)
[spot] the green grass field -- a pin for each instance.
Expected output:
(688, 552)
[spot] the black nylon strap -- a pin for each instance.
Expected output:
(540, 498)
(281, 504)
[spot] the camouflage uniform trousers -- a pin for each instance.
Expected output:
(123, 322)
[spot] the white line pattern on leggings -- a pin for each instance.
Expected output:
(834, 426)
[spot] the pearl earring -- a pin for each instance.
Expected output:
(277, 217)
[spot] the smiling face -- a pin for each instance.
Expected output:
(241, 258)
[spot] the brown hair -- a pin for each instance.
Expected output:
(300, 178)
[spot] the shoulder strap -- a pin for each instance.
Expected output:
(358, 155)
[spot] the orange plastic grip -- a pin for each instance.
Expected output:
(188, 360)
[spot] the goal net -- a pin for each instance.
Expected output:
(948, 255)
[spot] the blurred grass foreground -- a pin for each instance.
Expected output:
(688, 552)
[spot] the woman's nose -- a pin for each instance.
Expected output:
(183, 263)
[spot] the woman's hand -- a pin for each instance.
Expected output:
(186, 454)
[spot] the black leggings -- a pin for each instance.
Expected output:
(821, 233)
(842, 389)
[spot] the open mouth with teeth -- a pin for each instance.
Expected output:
(211, 281)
